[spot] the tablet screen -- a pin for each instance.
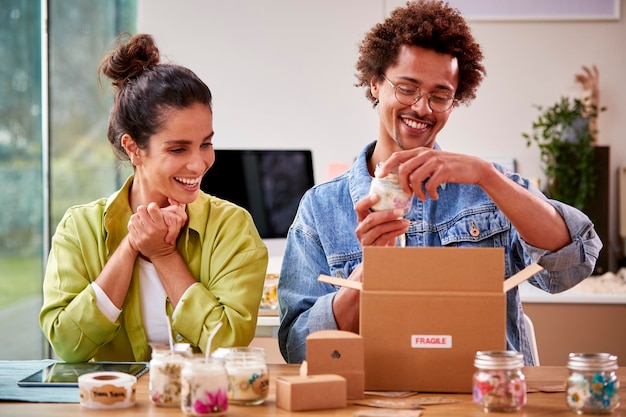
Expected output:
(66, 374)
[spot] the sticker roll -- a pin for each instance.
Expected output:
(107, 389)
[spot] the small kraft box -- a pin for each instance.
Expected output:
(338, 352)
(426, 311)
(310, 392)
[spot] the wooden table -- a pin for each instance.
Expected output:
(539, 403)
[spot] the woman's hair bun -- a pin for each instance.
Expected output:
(132, 56)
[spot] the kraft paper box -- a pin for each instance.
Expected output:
(338, 352)
(426, 311)
(311, 392)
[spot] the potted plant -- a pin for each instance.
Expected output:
(566, 142)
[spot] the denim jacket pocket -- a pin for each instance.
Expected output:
(484, 228)
(343, 267)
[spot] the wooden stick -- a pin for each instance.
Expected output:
(356, 285)
(521, 276)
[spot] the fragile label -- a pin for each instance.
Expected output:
(431, 341)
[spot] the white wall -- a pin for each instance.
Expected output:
(282, 75)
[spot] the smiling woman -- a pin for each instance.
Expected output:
(161, 258)
(171, 165)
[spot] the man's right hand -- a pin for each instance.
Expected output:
(378, 228)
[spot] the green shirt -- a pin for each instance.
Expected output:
(220, 245)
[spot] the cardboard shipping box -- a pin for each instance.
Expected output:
(426, 311)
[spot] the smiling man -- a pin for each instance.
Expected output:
(417, 67)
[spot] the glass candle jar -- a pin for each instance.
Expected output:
(204, 387)
(592, 385)
(387, 188)
(269, 300)
(165, 369)
(248, 376)
(499, 383)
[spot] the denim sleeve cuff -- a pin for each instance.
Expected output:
(584, 249)
(564, 258)
(321, 315)
(569, 265)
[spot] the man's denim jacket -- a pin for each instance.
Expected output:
(322, 240)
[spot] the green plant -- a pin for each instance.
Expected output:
(566, 144)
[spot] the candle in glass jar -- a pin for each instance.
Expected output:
(165, 369)
(388, 190)
(248, 376)
(204, 384)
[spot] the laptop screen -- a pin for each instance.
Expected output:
(268, 183)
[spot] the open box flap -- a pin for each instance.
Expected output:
(507, 285)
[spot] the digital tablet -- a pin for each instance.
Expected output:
(63, 374)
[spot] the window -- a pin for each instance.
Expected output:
(81, 164)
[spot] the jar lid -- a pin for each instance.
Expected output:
(498, 359)
(592, 362)
(392, 176)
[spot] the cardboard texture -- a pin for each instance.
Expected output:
(426, 311)
(311, 392)
(338, 352)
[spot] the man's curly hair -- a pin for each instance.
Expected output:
(430, 24)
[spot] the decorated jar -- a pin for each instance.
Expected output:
(165, 368)
(499, 383)
(248, 376)
(592, 385)
(204, 387)
(387, 188)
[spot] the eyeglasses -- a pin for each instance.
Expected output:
(408, 95)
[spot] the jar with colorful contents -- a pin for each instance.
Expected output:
(387, 188)
(499, 383)
(592, 385)
(165, 368)
(248, 376)
(204, 387)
